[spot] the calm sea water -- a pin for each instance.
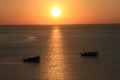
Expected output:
(59, 48)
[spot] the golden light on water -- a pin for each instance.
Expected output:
(56, 56)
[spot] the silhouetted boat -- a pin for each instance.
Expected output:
(32, 59)
(90, 54)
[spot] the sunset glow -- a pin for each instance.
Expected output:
(56, 12)
(59, 12)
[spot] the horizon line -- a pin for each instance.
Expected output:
(60, 24)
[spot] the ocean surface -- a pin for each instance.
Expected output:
(59, 48)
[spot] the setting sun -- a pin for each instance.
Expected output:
(56, 12)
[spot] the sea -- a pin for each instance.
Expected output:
(59, 47)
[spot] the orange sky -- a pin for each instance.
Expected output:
(73, 11)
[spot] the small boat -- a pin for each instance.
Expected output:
(90, 54)
(32, 59)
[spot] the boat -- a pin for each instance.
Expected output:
(90, 54)
(32, 59)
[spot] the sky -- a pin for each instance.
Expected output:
(72, 11)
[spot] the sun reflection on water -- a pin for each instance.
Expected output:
(56, 63)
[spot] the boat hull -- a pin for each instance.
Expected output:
(89, 54)
(32, 59)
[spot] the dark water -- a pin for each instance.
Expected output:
(58, 47)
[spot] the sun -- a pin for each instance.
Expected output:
(56, 12)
